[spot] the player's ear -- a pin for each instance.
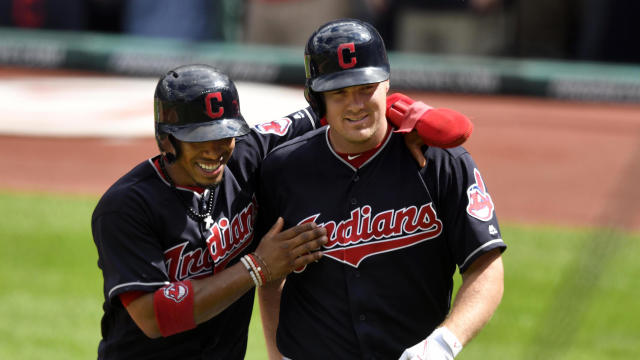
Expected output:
(168, 148)
(387, 86)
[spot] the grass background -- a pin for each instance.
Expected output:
(569, 293)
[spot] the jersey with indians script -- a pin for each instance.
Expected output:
(146, 240)
(396, 234)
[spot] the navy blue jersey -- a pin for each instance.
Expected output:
(145, 240)
(396, 233)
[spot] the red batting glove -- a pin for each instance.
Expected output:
(439, 127)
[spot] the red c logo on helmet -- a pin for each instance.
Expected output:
(208, 101)
(351, 48)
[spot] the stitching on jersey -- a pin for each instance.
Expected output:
(495, 241)
(136, 283)
(326, 136)
(197, 194)
(313, 124)
(379, 150)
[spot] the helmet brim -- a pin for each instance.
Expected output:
(212, 130)
(346, 78)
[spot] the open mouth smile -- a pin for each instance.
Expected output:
(210, 169)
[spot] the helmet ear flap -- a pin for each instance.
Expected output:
(315, 100)
(169, 147)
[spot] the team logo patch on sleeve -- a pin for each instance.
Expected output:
(480, 204)
(278, 127)
(176, 292)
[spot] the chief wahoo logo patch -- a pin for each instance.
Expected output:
(176, 292)
(480, 203)
(278, 127)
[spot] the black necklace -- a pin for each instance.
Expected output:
(208, 207)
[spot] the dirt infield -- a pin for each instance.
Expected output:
(544, 161)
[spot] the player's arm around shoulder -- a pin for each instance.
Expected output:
(268, 135)
(422, 125)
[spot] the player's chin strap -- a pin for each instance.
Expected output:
(441, 344)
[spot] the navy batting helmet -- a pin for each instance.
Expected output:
(197, 103)
(342, 53)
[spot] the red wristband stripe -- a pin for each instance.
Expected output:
(173, 308)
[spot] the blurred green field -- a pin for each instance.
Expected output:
(573, 292)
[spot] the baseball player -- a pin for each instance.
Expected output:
(396, 231)
(175, 235)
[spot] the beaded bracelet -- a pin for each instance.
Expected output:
(264, 266)
(247, 265)
(257, 268)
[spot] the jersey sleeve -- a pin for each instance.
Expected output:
(273, 133)
(465, 204)
(252, 148)
(267, 135)
(130, 256)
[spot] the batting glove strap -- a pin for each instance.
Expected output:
(442, 344)
(444, 335)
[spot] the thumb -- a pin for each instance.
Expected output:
(419, 157)
(414, 143)
(276, 227)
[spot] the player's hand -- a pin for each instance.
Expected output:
(414, 144)
(442, 344)
(284, 251)
(439, 127)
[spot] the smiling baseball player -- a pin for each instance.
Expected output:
(396, 231)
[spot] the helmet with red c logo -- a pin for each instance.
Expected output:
(197, 103)
(342, 53)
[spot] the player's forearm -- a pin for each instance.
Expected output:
(215, 293)
(269, 298)
(478, 297)
(211, 296)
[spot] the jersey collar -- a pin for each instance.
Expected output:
(156, 164)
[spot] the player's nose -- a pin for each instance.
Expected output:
(214, 149)
(355, 100)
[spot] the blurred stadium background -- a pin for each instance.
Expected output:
(553, 88)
